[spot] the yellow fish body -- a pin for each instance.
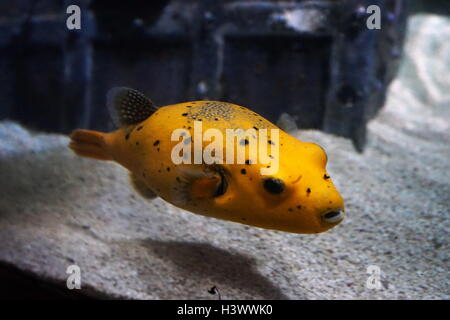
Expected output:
(297, 196)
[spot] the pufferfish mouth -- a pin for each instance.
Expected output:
(333, 216)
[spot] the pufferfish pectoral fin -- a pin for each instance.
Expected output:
(199, 182)
(141, 187)
(128, 106)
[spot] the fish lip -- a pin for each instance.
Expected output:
(333, 216)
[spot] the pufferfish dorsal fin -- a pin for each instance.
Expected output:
(128, 106)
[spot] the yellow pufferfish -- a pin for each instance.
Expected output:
(299, 198)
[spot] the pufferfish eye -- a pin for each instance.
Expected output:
(273, 185)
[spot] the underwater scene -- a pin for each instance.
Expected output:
(225, 150)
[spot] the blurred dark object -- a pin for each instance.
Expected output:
(441, 7)
(315, 60)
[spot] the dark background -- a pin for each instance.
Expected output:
(331, 73)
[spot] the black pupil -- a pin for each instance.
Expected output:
(273, 185)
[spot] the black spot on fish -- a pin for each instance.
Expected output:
(326, 177)
(127, 136)
(137, 143)
(308, 191)
(168, 169)
(244, 142)
(139, 128)
(216, 119)
(184, 114)
(248, 162)
(299, 207)
(156, 143)
(243, 171)
(268, 167)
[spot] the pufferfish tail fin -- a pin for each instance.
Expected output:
(90, 144)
